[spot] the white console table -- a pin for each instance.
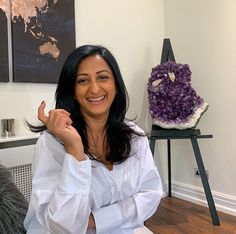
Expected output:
(16, 141)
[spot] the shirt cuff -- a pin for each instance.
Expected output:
(75, 175)
(107, 218)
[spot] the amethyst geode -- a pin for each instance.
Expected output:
(173, 103)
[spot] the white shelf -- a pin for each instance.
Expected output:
(18, 138)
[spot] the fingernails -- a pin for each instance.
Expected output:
(42, 103)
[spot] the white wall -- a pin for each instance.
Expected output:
(203, 35)
(132, 30)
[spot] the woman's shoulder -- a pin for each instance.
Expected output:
(138, 140)
(134, 126)
(46, 139)
(49, 148)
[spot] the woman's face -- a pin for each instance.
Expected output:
(95, 87)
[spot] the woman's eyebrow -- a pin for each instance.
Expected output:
(103, 71)
(82, 74)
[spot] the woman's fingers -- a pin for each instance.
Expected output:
(59, 123)
(41, 114)
(52, 113)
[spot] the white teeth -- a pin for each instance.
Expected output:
(96, 99)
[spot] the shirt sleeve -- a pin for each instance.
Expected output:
(60, 191)
(134, 210)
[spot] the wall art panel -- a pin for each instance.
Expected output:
(4, 65)
(43, 35)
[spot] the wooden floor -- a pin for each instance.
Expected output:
(176, 216)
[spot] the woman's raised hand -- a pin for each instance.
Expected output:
(59, 123)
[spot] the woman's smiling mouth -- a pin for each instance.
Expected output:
(96, 100)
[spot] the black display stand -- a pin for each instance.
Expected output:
(159, 133)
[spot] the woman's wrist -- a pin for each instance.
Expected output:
(76, 152)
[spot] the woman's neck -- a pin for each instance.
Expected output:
(96, 131)
(96, 124)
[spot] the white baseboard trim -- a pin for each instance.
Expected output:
(223, 202)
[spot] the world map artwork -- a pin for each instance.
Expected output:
(4, 68)
(43, 35)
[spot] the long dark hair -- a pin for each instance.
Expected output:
(118, 132)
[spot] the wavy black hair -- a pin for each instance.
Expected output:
(118, 132)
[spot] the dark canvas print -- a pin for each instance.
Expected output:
(43, 35)
(4, 70)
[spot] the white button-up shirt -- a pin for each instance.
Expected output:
(65, 191)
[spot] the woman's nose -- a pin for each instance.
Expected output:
(94, 87)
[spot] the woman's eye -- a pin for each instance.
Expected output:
(103, 77)
(81, 81)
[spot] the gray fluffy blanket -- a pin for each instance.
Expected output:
(13, 205)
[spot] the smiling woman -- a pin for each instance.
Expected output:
(99, 174)
(95, 87)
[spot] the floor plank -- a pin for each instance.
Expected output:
(176, 216)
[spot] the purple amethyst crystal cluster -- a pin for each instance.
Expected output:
(173, 103)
